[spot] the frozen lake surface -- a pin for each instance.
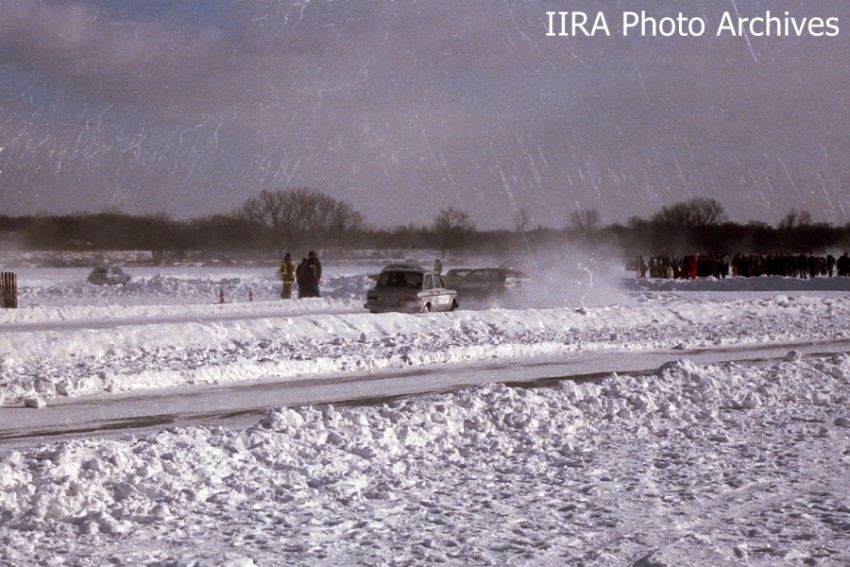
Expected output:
(692, 462)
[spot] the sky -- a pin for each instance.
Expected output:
(402, 108)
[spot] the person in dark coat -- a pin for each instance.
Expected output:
(438, 267)
(301, 278)
(843, 265)
(312, 276)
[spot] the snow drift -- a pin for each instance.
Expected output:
(725, 464)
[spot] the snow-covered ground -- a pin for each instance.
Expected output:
(735, 463)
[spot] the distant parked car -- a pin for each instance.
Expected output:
(456, 274)
(108, 275)
(484, 281)
(410, 289)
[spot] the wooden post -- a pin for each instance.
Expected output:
(8, 290)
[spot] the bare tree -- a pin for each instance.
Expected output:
(338, 218)
(695, 213)
(301, 217)
(521, 221)
(585, 220)
(267, 209)
(452, 226)
(794, 219)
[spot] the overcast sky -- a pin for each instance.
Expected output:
(402, 108)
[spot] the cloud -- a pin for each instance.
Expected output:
(80, 48)
(192, 107)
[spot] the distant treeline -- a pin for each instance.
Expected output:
(700, 226)
(301, 219)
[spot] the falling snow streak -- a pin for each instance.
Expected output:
(746, 35)
(148, 109)
(538, 184)
(437, 161)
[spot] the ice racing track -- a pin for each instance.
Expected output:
(243, 404)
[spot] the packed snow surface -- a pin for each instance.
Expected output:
(726, 464)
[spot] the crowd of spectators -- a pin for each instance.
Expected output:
(743, 265)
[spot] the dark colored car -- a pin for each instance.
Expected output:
(410, 289)
(108, 275)
(455, 275)
(390, 267)
(482, 282)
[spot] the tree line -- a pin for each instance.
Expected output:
(701, 225)
(273, 222)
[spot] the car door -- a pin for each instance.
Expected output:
(440, 299)
(428, 289)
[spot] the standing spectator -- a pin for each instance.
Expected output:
(287, 276)
(691, 262)
(843, 264)
(312, 275)
(438, 267)
(301, 277)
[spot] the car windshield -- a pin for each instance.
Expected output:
(400, 279)
(457, 273)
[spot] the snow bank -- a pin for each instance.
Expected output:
(80, 350)
(175, 285)
(712, 465)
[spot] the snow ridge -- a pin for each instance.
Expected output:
(127, 348)
(694, 464)
(491, 475)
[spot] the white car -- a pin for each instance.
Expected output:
(108, 275)
(410, 289)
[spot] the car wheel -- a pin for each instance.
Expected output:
(454, 305)
(426, 308)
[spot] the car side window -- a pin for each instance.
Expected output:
(429, 282)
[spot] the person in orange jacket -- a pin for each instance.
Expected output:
(287, 276)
